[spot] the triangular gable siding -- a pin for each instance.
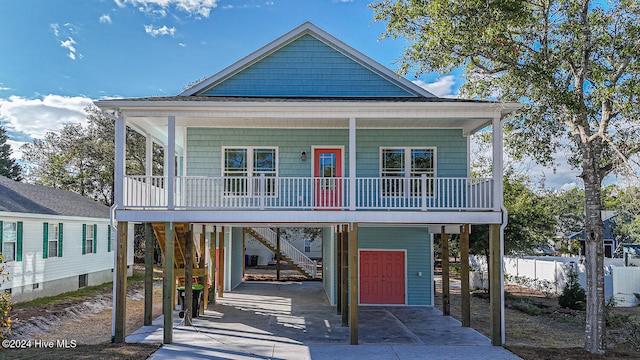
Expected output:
(307, 68)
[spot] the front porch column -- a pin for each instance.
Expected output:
(168, 284)
(352, 163)
(353, 285)
(221, 262)
(344, 294)
(446, 293)
(204, 280)
(187, 305)
(338, 269)
(465, 295)
(148, 273)
(214, 264)
(169, 156)
(121, 283)
(496, 299)
(120, 163)
(497, 170)
(278, 254)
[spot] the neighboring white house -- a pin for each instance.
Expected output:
(53, 241)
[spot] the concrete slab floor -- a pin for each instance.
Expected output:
(293, 320)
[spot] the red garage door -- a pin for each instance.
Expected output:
(382, 277)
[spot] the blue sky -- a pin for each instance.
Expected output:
(58, 56)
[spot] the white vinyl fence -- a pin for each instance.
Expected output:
(550, 274)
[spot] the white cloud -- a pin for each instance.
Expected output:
(159, 7)
(16, 153)
(182, 45)
(34, 117)
(162, 31)
(442, 87)
(105, 19)
(69, 44)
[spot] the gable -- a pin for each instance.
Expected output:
(309, 67)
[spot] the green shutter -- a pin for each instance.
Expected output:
(60, 236)
(84, 239)
(19, 242)
(95, 238)
(108, 238)
(45, 240)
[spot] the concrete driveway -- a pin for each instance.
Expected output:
(293, 320)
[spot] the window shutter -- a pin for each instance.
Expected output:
(60, 236)
(84, 239)
(45, 240)
(19, 242)
(95, 238)
(108, 238)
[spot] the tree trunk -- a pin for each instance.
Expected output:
(594, 253)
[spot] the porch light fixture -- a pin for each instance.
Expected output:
(303, 156)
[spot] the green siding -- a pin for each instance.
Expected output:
(205, 146)
(329, 266)
(451, 148)
(237, 263)
(307, 67)
(416, 242)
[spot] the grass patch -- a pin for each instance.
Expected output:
(529, 308)
(77, 295)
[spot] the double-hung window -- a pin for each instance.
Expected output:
(11, 240)
(250, 171)
(52, 237)
(89, 233)
(402, 169)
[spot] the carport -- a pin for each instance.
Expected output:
(293, 320)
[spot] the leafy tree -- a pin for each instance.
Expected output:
(81, 159)
(573, 63)
(8, 166)
(531, 220)
(568, 207)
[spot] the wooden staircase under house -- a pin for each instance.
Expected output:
(200, 271)
(288, 253)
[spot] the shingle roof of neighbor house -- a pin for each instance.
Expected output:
(34, 199)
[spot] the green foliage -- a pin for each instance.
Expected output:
(81, 159)
(5, 303)
(531, 220)
(528, 308)
(573, 295)
(8, 166)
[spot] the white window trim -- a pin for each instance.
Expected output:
(50, 239)
(89, 237)
(250, 149)
(4, 240)
(407, 165)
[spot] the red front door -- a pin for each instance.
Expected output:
(327, 175)
(382, 277)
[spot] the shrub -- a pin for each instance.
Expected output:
(5, 304)
(573, 295)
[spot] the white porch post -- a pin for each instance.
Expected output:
(119, 171)
(148, 171)
(169, 155)
(498, 144)
(352, 163)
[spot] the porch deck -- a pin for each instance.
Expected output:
(293, 320)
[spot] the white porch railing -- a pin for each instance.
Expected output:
(298, 257)
(307, 193)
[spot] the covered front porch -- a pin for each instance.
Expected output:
(287, 320)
